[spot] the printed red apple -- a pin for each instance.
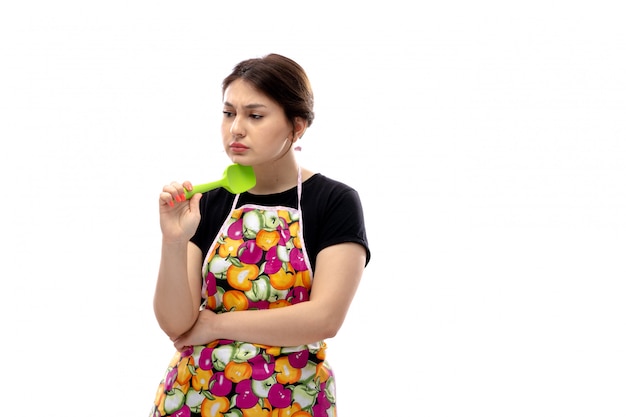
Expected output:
(245, 397)
(279, 396)
(298, 295)
(220, 385)
(235, 230)
(296, 257)
(206, 359)
(272, 261)
(299, 359)
(261, 368)
(285, 233)
(250, 252)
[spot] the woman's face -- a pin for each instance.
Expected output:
(255, 129)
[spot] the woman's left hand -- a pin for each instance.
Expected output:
(199, 334)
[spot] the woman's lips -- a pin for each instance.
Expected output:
(238, 147)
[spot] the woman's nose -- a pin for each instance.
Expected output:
(236, 127)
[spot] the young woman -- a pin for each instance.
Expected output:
(250, 285)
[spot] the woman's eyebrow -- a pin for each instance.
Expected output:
(248, 106)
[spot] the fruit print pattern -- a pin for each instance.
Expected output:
(258, 261)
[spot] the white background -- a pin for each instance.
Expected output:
(487, 141)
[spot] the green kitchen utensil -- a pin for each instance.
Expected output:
(236, 179)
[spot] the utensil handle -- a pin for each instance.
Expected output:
(203, 188)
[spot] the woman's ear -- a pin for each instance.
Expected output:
(299, 127)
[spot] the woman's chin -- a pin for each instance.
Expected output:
(240, 159)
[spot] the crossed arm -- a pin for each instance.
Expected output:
(177, 300)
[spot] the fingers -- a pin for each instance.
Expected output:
(174, 193)
(179, 345)
(187, 186)
(194, 203)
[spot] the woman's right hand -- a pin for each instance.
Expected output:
(179, 217)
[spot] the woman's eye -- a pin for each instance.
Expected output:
(227, 113)
(256, 116)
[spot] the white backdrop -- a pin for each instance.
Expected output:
(487, 141)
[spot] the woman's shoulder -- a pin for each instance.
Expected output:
(326, 193)
(320, 182)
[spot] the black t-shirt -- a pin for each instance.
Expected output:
(331, 214)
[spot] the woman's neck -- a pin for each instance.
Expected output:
(275, 177)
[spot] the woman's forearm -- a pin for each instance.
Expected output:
(175, 307)
(294, 325)
(310, 321)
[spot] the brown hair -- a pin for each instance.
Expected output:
(281, 79)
